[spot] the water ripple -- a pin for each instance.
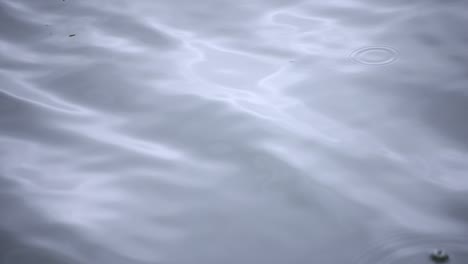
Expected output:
(406, 248)
(376, 55)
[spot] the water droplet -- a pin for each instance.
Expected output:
(375, 55)
(407, 248)
(439, 256)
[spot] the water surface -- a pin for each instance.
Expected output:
(215, 131)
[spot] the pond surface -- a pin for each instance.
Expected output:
(216, 131)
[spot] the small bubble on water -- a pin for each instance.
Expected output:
(439, 256)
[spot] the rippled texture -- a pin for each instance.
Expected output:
(215, 131)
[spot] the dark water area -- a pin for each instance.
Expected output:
(215, 131)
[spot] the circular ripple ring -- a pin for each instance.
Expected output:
(375, 55)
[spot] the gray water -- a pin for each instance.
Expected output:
(216, 131)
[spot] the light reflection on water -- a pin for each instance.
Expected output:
(232, 132)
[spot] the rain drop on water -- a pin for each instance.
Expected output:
(439, 256)
(375, 55)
